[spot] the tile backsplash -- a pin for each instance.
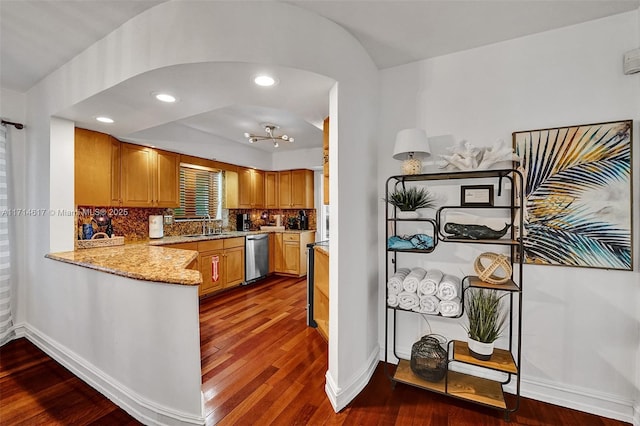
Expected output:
(133, 222)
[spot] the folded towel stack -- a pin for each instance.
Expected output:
(450, 308)
(392, 300)
(394, 285)
(410, 283)
(449, 288)
(425, 291)
(429, 284)
(408, 301)
(429, 305)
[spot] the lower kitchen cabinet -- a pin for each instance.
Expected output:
(220, 261)
(272, 252)
(321, 290)
(233, 264)
(291, 252)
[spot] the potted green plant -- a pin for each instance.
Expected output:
(486, 321)
(410, 200)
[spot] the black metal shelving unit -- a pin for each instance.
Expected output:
(479, 390)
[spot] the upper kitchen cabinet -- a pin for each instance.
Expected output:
(250, 189)
(325, 161)
(271, 190)
(150, 178)
(97, 168)
(167, 179)
(295, 189)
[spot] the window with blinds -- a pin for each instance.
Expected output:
(200, 192)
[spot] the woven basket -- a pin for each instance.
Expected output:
(105, 241)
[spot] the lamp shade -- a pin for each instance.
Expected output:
(411, 143)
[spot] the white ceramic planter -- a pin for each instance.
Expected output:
(414, 214)
(480, 350)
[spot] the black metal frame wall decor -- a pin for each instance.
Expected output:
(578, 191)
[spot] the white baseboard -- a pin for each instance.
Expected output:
(582, 399)
(341, 397)
(143, 410)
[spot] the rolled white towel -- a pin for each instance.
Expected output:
(395, 282)
(412, 280)
(450, 308)
(449, 288)
(429, 305)
(429, 284)
(392, 300)
(408, 301)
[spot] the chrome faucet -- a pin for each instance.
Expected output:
(206, 224)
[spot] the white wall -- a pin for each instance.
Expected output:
(216, 31)
(13, 108)
(136, 341)
(580, 326)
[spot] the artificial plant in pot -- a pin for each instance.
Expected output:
(409, 200)
(486, 321)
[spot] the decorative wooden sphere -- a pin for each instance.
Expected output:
(496, 262)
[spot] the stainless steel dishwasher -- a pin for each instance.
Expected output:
(256, 252)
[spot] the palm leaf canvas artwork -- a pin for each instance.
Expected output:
(577, 182)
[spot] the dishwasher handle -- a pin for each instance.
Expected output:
(257, 237)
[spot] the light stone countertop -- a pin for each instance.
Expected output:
(148, 260)
(137, 261)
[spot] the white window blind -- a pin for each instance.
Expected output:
(200, 192)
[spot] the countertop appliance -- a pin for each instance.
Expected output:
(256, 255)
(303, 220)
(243, 223)
(156, 227)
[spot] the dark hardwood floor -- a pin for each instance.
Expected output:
(260, 365)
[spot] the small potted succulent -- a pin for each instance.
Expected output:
(486, 321)
(407, 201)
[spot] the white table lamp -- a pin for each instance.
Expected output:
(411, 146)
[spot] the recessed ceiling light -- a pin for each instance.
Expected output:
(104, 119)
(264, 80)
(165, 97)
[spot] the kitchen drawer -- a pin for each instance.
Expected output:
(291, 237)
(210, 245)
(233, 242)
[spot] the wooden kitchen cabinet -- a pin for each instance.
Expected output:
(167, 179)
(295, 189)
(211, 267)
(231, 190)
(97, 168)
(220, 261)
(291, 252)
(149, 177)
(321, 290)
(278, 262)
(271, 190)
(233, 261)
(250, 189)
(325, 161)
(137, 175)
(272, 252)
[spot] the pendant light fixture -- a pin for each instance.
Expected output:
(269, 129)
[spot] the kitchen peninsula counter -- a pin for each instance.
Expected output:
(148, 260)
(138, 261)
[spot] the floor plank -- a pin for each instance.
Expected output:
(261, 365)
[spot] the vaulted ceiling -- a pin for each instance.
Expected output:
(37, 37)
